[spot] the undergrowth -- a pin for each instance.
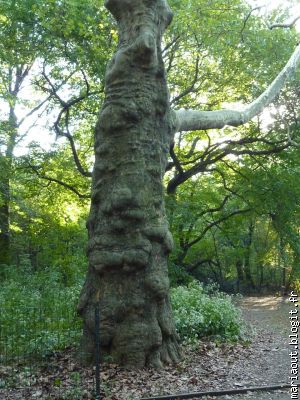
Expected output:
(201, 311)
(38, 313)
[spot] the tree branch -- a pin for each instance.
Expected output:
(21, 72)
(192, 149)
(247, 18)
(191, 267)
(191, 87)
(184, 239)
(190, 120)
(215, 223)
(285, 25)
(59, 182)
(33, 110)
(66, 105)
(68, 135)
(174, 41)
(217, 152)
(176, 162)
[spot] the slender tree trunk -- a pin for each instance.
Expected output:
(218, 261)
(129, 239)
(282, 265)
(15, 77)
(240, 274)
(261, 276)
(247, 262)
(4, 220)
(5, 192)
(248, 276)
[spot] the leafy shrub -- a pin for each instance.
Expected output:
(37, 314)
(201, 312)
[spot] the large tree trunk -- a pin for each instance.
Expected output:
(129, 239)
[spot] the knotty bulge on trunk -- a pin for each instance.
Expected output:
(129, 238)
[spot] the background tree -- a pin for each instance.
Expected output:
(47, 50)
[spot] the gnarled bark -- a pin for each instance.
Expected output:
(129, 239)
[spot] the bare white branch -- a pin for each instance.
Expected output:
(190, 120)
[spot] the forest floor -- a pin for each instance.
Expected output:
(206, 366)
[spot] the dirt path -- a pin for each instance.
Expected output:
(270, 318)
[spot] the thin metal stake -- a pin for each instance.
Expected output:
(97, 358)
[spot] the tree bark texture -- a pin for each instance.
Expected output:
(129, 238)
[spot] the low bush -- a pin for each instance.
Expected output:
(204, 311)
(37, 314)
